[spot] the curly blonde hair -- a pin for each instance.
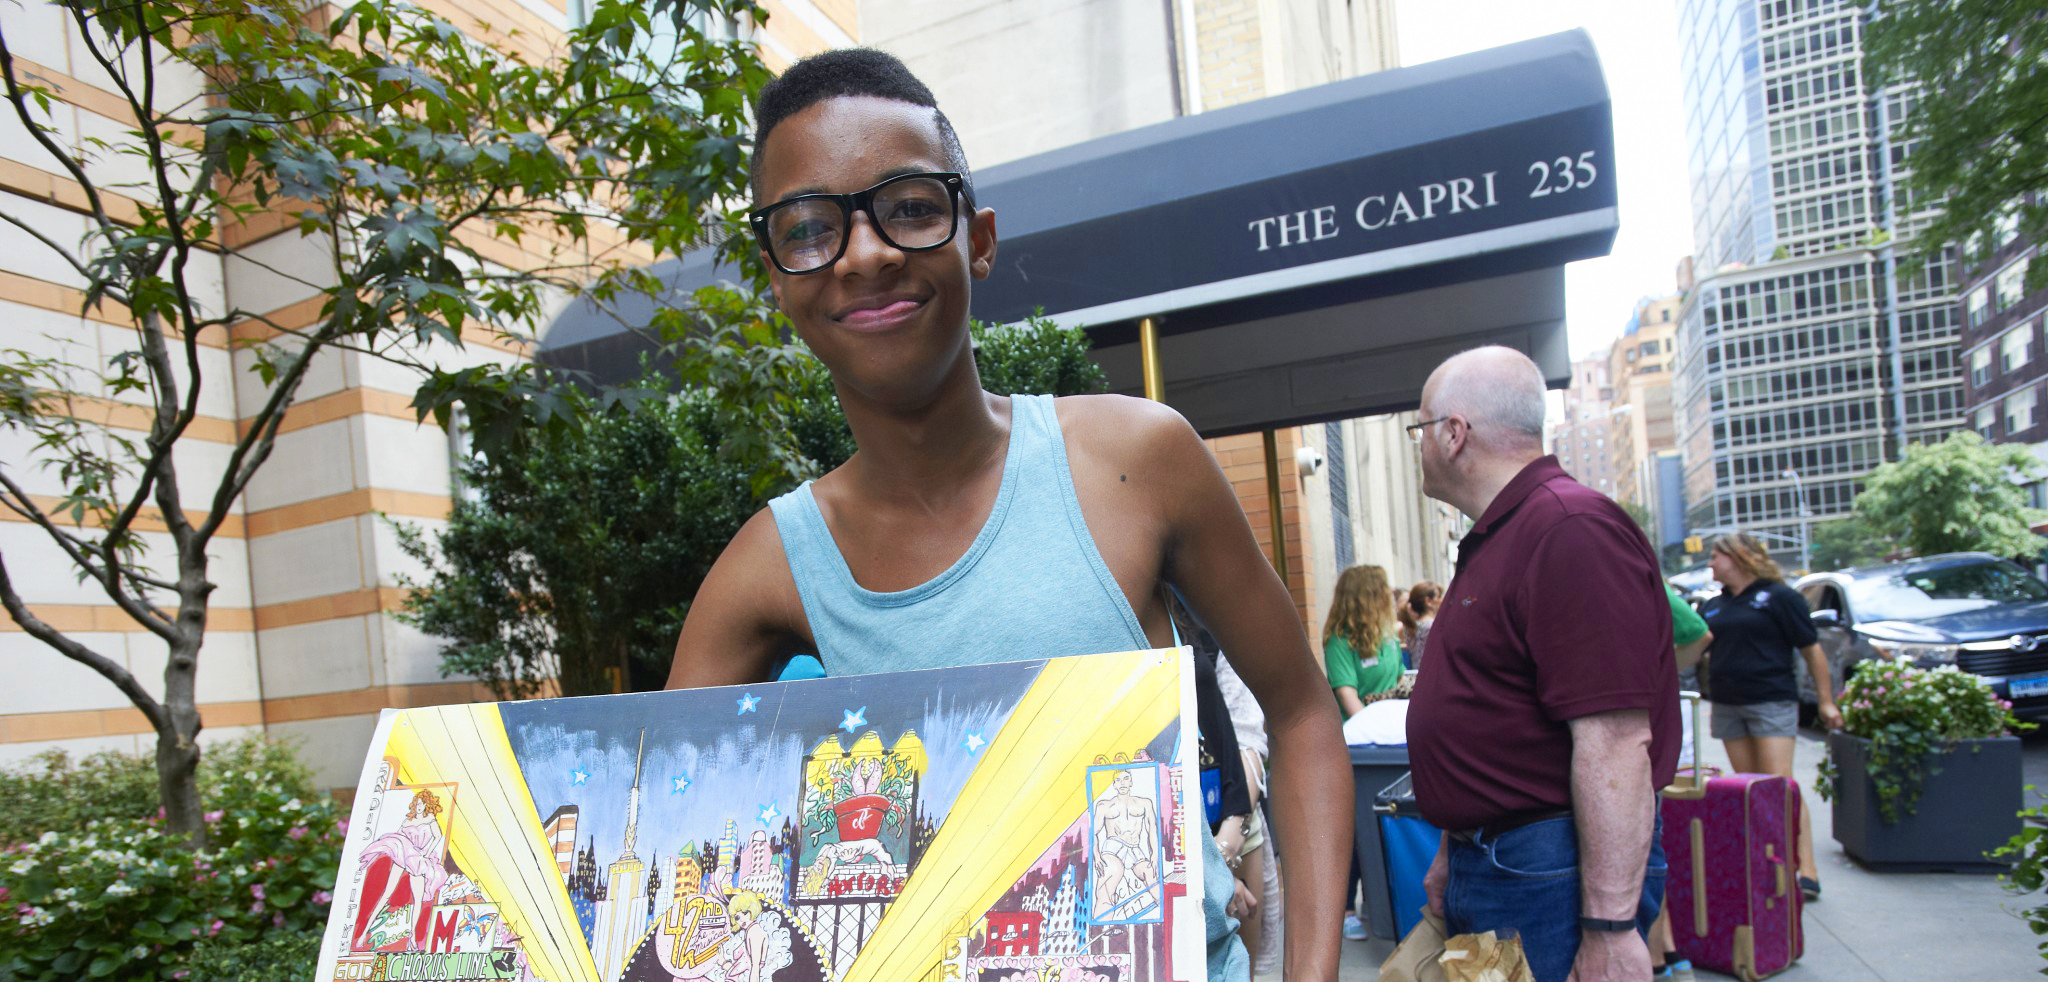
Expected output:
(426, 801)
(1362, 611)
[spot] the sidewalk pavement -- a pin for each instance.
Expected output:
(1872, 927)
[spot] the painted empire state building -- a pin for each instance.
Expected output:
(622, 915)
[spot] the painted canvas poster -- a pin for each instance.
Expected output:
(1017, 822)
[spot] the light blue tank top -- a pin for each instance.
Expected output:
(1032, 585)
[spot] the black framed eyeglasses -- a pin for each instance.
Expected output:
(1415, 429)
(913, 212)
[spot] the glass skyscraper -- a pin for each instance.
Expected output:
(1799, 366)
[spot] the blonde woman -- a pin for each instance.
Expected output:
(1359, 649)
(1759, 626)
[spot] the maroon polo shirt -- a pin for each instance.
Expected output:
(1557, 611)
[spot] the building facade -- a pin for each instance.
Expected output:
(2002, 342)
(1579, 436)
(1810, 348)
(1639, 369)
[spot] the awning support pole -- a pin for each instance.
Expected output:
(1148, 357)
(1273, 506)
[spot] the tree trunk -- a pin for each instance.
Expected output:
(177, 748)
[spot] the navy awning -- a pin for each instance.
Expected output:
(1312, 255)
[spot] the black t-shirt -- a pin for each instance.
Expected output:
(1757, 634)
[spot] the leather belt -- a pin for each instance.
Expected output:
(1502, 826)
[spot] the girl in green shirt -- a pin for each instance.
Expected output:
(1361, 621)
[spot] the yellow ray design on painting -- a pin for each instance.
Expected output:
(496, 836)
(1029, 787)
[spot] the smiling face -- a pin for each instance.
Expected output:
(891, 324)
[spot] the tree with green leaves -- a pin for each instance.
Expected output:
(1847, 542)
(1961, 494)
(399, 148)
(570, 565)
(1979, 126)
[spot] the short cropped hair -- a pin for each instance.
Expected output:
(849, 72)
(1497, 386)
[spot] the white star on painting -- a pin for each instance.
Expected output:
(974, 743)
(855, 719)
(747, 703)
(578, 776)
(682, 784)
(769, 814)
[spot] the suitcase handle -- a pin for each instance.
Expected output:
(1778, 862)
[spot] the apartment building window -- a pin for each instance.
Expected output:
(2012, 284)
(2016, 348)
(1979, 307)
(2019, 411)
(1980, 367)
(1987, 422)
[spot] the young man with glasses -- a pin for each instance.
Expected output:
(970, 527)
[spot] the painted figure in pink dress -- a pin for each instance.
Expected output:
(412, 869)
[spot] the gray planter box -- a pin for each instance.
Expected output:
(1968, 809)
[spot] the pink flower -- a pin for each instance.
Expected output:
(277, 919)
(214, 928)
(323, 897)
(213, 816)
(297, 832)
(256, 890)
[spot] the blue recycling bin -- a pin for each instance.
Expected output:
(1410, 845)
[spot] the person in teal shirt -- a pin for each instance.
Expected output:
(1359, 650)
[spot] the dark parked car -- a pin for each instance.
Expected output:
(1970, 609)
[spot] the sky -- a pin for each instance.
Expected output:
(1638, 45)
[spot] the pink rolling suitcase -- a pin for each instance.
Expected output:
(1733, 891)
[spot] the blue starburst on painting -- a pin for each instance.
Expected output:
(748, 703)
(855, 719)
(769, 814)
(681, 784)
(973, 743)
(578, 776)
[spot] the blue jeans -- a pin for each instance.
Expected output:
(1526, 880)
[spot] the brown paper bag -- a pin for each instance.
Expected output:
(1414, 959)
(1484, 958)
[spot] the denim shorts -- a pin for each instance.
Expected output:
(1757, 719)
(1526, 880)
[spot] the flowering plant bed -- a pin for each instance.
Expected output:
(1924, 772)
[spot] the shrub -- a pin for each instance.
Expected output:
(2028, 853)
(283, 956)
(58, 794)
(121, 898)
(1910, 715)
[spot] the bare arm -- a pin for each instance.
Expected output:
(1690, 655)
(1217, 565)
(746, 615)
(1349, 697)
(1615, 808)
(1823, 685)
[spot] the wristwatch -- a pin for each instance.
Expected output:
(1600, 924)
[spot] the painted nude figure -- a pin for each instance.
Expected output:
(1126, 845)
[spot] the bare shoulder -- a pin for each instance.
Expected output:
(1128, 431)
(746, 613)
